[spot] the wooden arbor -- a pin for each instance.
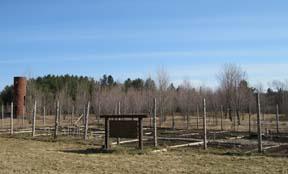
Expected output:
(124, 126)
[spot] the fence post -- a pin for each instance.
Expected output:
(260, 149)
(140, 133)
(44, 116)
(2, 116)
(155, 124)
(277, 118)
(216, 118)
(187, 120)
(84, 113)
(11, 119)
(249, 114)
(56, 120)
(99, 112)
(198, 116)
(34, 119)
(72, 115)
(60, 115)
(173, 120)
(107, 134)
(119, 112)
(235, 119)
(222, 114)
(204, 125)
(86, 121)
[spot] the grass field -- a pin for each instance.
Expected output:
(31, 156)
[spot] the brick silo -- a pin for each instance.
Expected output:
(20, 84)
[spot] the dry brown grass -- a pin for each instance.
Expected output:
(28, 156)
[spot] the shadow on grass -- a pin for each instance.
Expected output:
(237, 154)
(89, 151)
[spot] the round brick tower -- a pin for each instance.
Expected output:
(20, 84)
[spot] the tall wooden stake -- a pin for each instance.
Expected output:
(56, 120)
(198, 115)
(222, 115)
(216, 118)
(72, 116)
(140, 133)
(173, 120)
(11, 119)
(155, 124)
(249, 119)
(187, 120)
(235, 117)
(70, 129)
(107, 134)
(2, 116)
(204, 125)
(277, 118)
(60, 115)
(260, 148)
(34, 119)
(44, 116)
(150, 116)
(84, 113)
(119, 112)
(86, 121)
(99, 112)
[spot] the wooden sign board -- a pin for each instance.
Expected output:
(123, 128)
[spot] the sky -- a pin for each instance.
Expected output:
(190, 39)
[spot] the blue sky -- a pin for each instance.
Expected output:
(191, 39)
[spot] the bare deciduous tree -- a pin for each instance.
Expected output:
(163, 82)
(230, 78)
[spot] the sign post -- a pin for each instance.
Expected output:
(117, 126)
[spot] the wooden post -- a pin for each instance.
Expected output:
(71, 121)
(60, 115)
(86, 122)
(11, 119)
(198, 115)
(56, 120)
(150, 119)
(119, 112)
(173, 120)
(155, 124)
(107, 133)
(34, 119)
(277, 119)
(140, 133)
(84, 113)
(249, 119)
(260, 148)
(216, 118)
(44, 116)
(204, 125)
(235, 118)
(99, 112)
(187, 120)
(72, 115)
(222, 114)
(2, 116)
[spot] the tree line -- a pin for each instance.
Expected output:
(234, 95)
